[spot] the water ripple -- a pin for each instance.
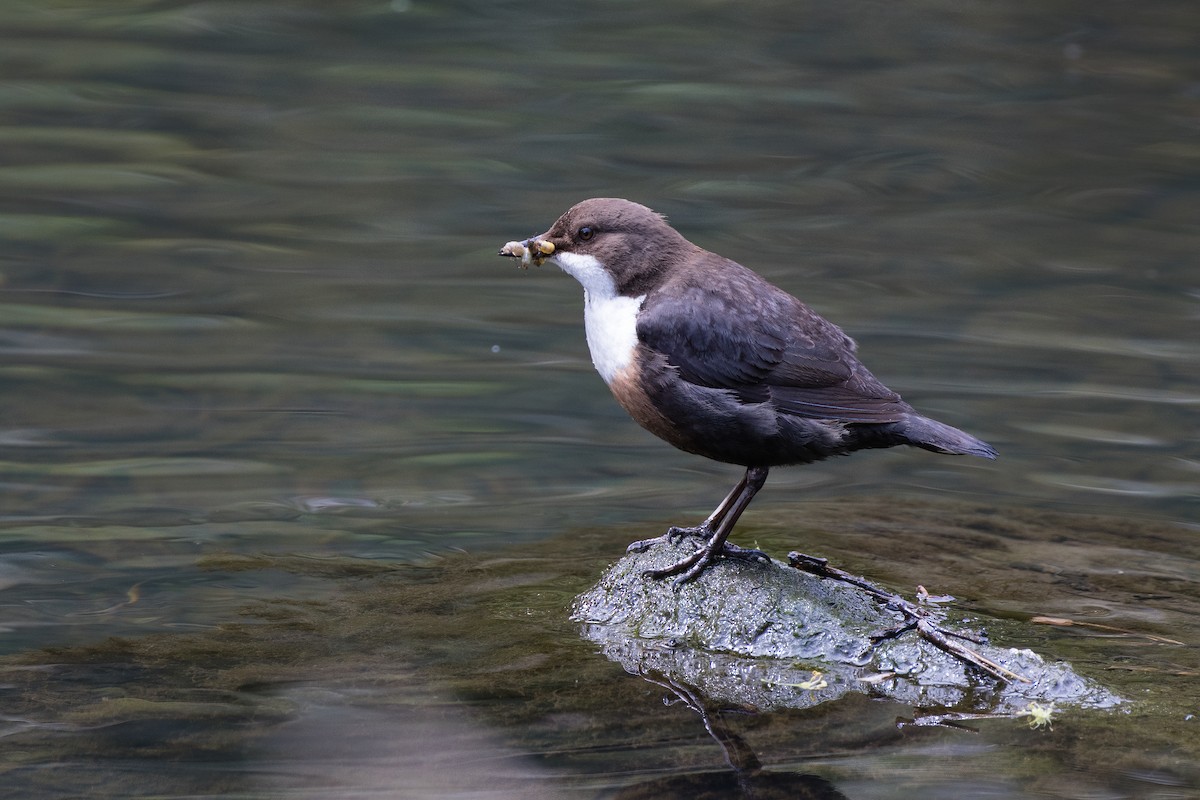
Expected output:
(1117, 486)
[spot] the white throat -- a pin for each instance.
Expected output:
(609, 319)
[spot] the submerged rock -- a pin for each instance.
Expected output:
(770, 636)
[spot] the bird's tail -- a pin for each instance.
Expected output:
(930, 434)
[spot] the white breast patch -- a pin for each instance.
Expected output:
(609, 319)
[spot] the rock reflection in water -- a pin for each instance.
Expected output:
(748, 778)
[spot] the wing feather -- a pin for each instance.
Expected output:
(729, 329)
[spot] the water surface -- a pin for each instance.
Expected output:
(258, 354)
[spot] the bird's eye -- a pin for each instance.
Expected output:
(586, 233)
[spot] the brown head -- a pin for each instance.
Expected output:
(633, 244)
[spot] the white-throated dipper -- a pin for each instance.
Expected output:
(706, 354)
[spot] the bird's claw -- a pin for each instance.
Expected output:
(690, 567)
(745, 553)
(675, 533)
(673, 536)
(641, 545)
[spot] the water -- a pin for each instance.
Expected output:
(259, 354)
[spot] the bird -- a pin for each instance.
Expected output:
(712, 358)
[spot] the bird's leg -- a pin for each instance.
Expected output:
(706, 529)
(703, 531)
(727, 513)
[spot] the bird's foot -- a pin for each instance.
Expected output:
(676, 533)
(673, 536)
(744, 553)
(687, 568)
(690, 567)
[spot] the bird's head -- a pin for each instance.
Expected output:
(609, 245)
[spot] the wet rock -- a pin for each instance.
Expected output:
(770, 636)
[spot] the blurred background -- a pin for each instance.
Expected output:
(250, 300)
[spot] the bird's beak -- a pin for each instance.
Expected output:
(533, 250)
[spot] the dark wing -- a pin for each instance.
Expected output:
(744, 335)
